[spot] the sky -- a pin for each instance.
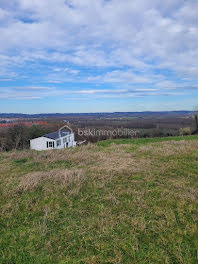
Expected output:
(73, 56)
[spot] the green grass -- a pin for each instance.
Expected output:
(142, 141)
(119, 201)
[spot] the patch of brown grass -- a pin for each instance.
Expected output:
(63, 177)
(169, 148)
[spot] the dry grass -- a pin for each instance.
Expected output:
(115, 204)
(170, 148)
(63, 177)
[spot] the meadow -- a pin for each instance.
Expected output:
(117, 201)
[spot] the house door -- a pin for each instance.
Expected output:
(66, 145)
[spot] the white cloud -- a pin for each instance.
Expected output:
(33, 88)
(132, 42)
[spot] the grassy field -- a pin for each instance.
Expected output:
(122, 201)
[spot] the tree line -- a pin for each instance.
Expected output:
(19, 136)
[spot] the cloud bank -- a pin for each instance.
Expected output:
(126, 48)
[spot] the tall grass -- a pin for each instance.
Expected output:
(118, 202)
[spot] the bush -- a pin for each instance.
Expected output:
(185, 131)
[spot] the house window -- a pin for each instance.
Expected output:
(50, 144)
(64, 140)
(58, 142)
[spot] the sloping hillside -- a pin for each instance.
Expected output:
(115, 202)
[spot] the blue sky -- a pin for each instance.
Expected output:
(98, 56)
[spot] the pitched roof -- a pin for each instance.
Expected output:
(55, 135)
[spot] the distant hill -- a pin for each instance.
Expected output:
(48, 115)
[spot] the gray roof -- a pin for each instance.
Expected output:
(55, 135)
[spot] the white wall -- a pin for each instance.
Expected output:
(41, 143)
(71, 142)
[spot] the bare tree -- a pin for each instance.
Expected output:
(196, 119)
(2, 145)
(17, 136)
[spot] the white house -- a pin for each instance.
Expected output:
(55, 140)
